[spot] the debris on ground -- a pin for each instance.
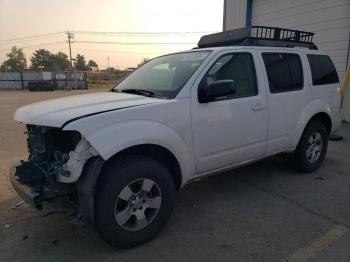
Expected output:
(18, 204)
(54, 242)
(319, 178)
(335, 137)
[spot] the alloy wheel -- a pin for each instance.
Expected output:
(138, 204)
(314, 147)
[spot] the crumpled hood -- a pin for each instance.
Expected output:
(56, 112)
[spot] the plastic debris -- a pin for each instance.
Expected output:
(18, 204)
(335, 137)
(319, 178)
(54, 242)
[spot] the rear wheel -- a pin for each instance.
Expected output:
(134, 201)
(312, 147)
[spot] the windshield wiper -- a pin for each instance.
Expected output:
(135, 91)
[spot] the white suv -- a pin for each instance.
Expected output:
(123, 154)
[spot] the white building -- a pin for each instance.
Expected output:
(329, 19)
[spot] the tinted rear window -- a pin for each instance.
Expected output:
(322, 70)
(284, 72)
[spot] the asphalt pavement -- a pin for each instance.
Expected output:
(262, 212)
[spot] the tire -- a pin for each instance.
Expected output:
(312, 147)
(129, 209)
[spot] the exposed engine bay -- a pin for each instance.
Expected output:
(56, 160)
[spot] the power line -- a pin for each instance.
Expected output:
(28, 37)
(133, 43)
(109, 33)
(32, 40)
(140, 33)
(97, 42)
(116, 51)
(43, 44)
(101, 33)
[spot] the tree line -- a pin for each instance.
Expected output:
(43, 59)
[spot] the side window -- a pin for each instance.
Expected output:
(238, 67)
(322, 70)
(284, 72)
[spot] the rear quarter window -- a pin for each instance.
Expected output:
(322, 70)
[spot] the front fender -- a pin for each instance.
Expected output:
(109, 140)
(316, 106)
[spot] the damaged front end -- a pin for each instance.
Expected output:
(56, 160)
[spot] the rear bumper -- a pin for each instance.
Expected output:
(27, 193)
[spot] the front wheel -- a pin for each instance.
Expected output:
(312, 147)
(134, 201)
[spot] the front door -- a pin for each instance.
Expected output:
(231, 129)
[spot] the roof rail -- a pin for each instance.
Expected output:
(259, 36)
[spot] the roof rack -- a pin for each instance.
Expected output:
(259, 36)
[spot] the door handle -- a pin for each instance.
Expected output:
(259, 107)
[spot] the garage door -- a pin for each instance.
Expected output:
(329, 19)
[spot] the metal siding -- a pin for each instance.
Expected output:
(329, 19)
(235, 14)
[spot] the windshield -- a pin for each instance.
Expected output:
(163, 76)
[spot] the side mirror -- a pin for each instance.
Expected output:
(216, 89)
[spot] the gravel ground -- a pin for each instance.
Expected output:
(262, 212)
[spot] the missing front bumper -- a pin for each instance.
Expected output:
(35, 187)
(27, 193)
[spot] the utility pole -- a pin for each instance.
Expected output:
(75, 73)
(70, 36)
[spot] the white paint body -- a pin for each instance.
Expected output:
(204, 138)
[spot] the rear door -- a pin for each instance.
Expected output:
(287, 96)
(231, 129)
